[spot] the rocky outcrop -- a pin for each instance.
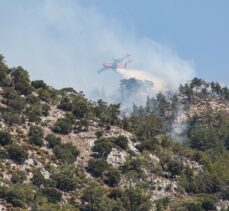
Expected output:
(116, 157)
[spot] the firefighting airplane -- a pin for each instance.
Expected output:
(116, 63)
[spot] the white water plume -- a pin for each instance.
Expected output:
(159, 85)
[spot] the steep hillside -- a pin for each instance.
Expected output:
(61, 151)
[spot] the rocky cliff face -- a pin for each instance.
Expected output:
(197, 107)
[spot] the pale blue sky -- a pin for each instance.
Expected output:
(65, 42)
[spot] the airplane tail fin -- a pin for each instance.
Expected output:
(126, 63)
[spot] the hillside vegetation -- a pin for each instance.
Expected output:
(62, 151)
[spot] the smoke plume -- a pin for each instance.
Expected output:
(158, 84)
(65, 42)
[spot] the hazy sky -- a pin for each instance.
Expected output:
(195, 29)
(64, 42)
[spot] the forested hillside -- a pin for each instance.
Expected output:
(62, 151)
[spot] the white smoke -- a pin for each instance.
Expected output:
(64, 43)
(158, 84)
(179, 124)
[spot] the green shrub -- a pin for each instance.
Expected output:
(54, 207)
(149, 144)
(136, 199)
(12, 118)
(18, 195)
(102, 147)
(122, 142)
(33, 117)
(14, 101)
(23, 88)
(225, 193)
(194, 207)
(92, 196)
(199, 203)
(17, 153)
(132, 165)
(39, 84)
(174, 167)
(5, 138)
(32, 99)
(97, 167)
(53, 195)
(99, 134)
(166, 142)
(52, 140)
(116, 194)
(66, 152)
(45, 109)
(3, 154)
(100, 168)
(44, 95)
(147, 126)
(112, 177)
(21, 80)
(65, 179)
(80, 108)
(65, 104)
(18, 177)
(38, 179)
(208, 201)
(4, 79)
(162, 204)
(83, 124)
(63, 126)
(108, 114)
(36, 110)
(36, 135)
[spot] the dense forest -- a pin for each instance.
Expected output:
(62, 151)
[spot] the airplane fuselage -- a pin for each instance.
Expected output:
(110, 65)
(117, 63)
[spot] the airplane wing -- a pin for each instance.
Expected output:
(101, 70)
(121, 60)
(125, 62)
